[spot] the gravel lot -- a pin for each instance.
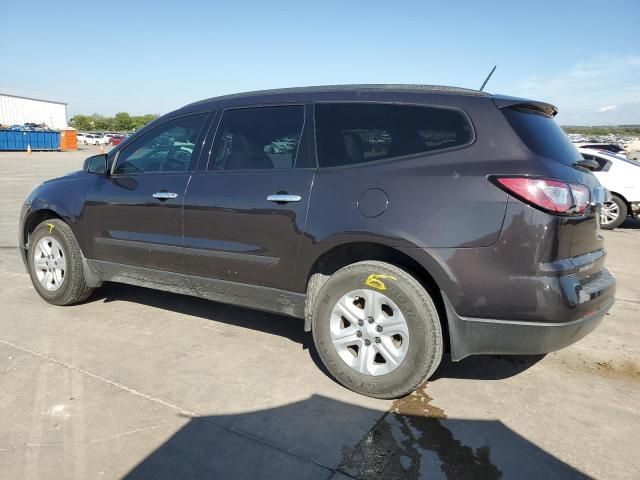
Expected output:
(146, 384)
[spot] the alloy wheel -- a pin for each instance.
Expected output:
(369, 332)
(49, 263)
(609, 213)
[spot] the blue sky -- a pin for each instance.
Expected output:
(155, 56)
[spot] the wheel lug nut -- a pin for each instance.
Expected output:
(367, 342)
(360, 322)
(379, 328)
(377, 339)
(370, 319)
(358, 334)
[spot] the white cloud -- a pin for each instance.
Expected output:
(602, 89)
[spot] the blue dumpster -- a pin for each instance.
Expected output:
(21, 139)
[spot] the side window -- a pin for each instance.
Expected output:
(166, 148)
(351, 133)
(258, 138)
(603, 164)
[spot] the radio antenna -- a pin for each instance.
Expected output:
(488, 77)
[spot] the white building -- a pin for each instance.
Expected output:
(16, 110)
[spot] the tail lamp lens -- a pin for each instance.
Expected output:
(580, 197)
(551, 195)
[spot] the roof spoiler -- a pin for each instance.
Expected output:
(523, 104)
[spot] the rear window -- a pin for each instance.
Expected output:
(542, 135)
(352, 133)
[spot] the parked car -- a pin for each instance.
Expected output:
(622, 178)
(80, 136)
(108, 136)
(390, 252)
(116, 139)
(93, 139)
(608, 147)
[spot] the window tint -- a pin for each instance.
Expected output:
(258, 138)
(542, 135)
(350, 133)
(166, 148)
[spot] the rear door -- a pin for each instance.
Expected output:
(134, 215)
(543, 136)
(245, 210)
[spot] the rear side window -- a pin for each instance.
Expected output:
(542, 135)
(258, 138)
(352, 133)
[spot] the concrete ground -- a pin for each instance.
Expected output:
(143, 384)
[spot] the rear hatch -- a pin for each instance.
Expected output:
(533, 122)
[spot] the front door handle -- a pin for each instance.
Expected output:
(284, 198)
(164, 195)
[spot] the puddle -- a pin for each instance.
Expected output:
(411, 442)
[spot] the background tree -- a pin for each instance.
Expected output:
(121, 122)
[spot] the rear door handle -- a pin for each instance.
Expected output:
(165, 195)
(284, 198)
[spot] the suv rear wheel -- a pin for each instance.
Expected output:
(377, 329)
(55, 264)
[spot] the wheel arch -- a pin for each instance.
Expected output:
(345, 254)
(622, 197)
(35, 218)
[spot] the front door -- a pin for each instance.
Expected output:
(134, 215)
(245, 211)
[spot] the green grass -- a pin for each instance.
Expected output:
(622, 130)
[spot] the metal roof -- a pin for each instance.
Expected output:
(30, 98)
(351, 88)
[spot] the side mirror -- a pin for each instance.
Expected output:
(96, 164)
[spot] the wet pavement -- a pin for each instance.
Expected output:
(143, 384)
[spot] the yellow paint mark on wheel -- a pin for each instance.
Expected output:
(375, 281)
(50, 225)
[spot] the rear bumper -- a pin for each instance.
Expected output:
(476, 336)
(586, 303)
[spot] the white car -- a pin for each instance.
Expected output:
(93, 139)
(80, 137)
(607, 147)
(622, 178)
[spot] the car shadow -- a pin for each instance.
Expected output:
(315, 439)
(486, 367)
(630, 224)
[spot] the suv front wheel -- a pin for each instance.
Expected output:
(55, 264)
(377, 329)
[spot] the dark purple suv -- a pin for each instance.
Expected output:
(398, 221)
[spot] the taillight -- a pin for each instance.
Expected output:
(550, 195)
(580, 197)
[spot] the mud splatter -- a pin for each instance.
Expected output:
(412, 442)
(624, 368)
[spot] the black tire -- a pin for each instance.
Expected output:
(622, 215)
(425, 332)
(74, 288)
